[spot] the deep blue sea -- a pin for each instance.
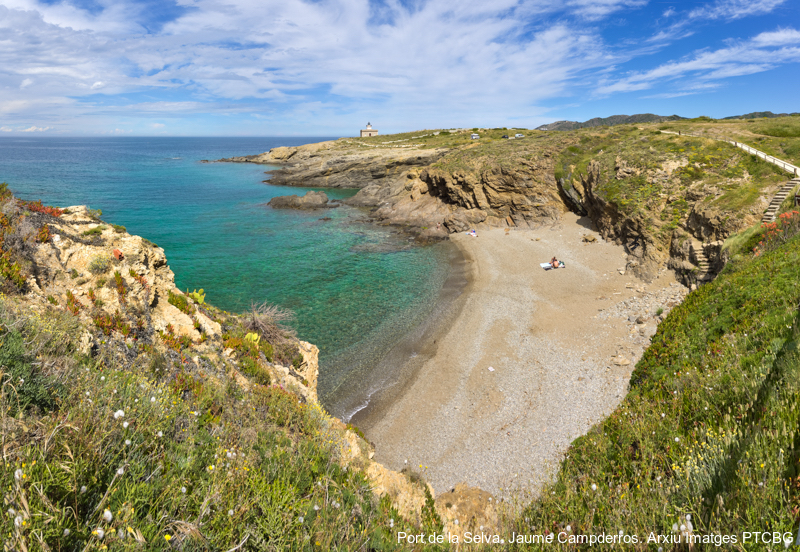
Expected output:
(355, 287)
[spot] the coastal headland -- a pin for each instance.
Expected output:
(507, 374)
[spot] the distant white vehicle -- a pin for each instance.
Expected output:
(475, 136)
(519, 136)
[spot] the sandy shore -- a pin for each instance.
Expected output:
(505, 429)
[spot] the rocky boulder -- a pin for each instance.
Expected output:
(312, 200)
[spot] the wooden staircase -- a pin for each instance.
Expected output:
(778, 199)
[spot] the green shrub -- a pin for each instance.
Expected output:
(100, 264)
(179, 301)
(96, 231)
(24, 386)
(119, 229)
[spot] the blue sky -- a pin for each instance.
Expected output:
(326, 67)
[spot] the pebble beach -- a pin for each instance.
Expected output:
(529, 360)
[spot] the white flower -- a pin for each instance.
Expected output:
(336, 505)
(391, 522)
(183, 490)
(675, 527)
(683, 528)
(677, 440)
(12, 512)
(230, 512)
(119, 413)
(594, 487)
(662, 414)
(120, 471)
(107, 515)
(300, 519)
(152, 399)
(160, 434)
(100, 533)
(228, 455)
(83, 489)
(135, 400)
(316, 507)
(87, 393)
(21, 380)
(102, 378)
(125, 425)
(18, 521)
(569, 528)
(18, 474)
(127, 442)
(688, 517)
(66, 532)
(121, 533)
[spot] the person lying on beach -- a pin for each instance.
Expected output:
(473, 233)
(554, 262)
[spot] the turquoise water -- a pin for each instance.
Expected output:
(354, 287)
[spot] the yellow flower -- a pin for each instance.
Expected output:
(167, 537)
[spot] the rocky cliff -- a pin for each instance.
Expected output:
(121, 291)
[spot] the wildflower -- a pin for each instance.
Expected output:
(125, 425)
(594, 487)
(87, 393)
(21, 380)
(183, 490)
(107, 515)
(688, 517)
(102, 378)
(83, 489)
(300, 519)
(316, 507)
(160, 434)
(127, 442)
(677, 440)
(675, 527)
(211, 467)
(391, 522)
(121, 533)
(167, 537)
(230, 512)
(99, 532)
(18, 521)
(569, 528)
(65, 533)
(120, 471)
(152, 399)
(18, 475)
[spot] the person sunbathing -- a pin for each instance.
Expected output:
(554, 262)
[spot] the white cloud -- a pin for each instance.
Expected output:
(25, 84)
(35, 129)
(6, 129)
(735, 9)
(158, 125)
(762, 53)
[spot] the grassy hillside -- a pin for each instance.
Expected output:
(155, 442)
(708, 439)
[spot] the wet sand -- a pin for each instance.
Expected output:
(505, 430)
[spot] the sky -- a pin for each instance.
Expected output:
(327, 67)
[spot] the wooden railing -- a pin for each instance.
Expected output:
(788, 167)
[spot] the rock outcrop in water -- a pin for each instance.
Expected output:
(311, 200)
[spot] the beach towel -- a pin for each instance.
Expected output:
(546, 266)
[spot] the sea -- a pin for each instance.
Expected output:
(356, 288)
